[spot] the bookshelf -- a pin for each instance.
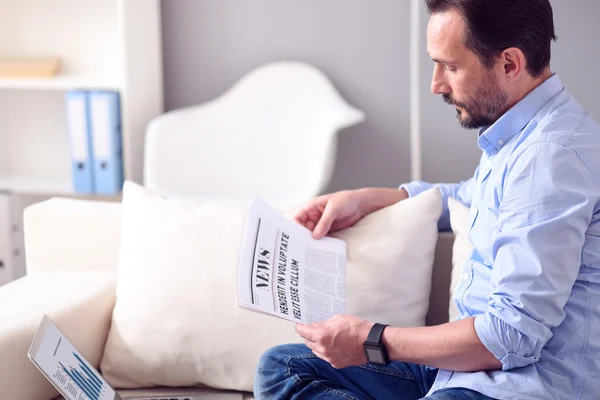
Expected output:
(62, 82)
(103, 45)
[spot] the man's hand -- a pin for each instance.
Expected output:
(340, 210)
(330, 213)
(339, 340)
(454, 346)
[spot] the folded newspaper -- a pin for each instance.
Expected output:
(284, 271)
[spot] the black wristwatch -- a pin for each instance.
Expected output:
(374, 348)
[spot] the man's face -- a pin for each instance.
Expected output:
(458, 75)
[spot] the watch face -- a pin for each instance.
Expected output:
(374, 355)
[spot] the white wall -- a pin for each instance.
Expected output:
(364, 48)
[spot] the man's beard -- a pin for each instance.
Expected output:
(484, 108)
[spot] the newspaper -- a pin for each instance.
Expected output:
(284, 271)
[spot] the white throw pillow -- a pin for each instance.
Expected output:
(176, 321)
(462, 248)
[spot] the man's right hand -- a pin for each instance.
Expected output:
(340, 210)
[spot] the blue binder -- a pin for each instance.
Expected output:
(78, 126)
(105, 116)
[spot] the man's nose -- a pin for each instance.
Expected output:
(438, 85)
(439, 88)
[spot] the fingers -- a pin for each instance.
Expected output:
(317, 216)
(306, 332)
(311, 345)
(301, 217)
(310, 224)
(315, 349)
(309, 332)
(307, 215)
(325, 222)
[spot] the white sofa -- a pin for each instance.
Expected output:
(71, 250)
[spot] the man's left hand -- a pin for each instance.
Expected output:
(339, 340)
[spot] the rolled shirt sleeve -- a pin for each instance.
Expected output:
(462, 191)
(545, 209)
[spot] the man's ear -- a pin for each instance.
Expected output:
(513, 62)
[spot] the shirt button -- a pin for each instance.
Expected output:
(466, 276)
(500, 142)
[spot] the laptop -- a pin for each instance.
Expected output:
(76, 379)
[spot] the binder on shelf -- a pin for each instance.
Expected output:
(6, 256)
(78, 126)
(105, 118)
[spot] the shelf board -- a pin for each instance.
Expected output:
(60, 82)
(34, 185)
(18, 184)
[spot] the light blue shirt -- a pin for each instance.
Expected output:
(533, 280)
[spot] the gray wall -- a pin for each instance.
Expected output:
(364, 48)
(576, 54)
(450, 153)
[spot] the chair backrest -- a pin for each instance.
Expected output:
(272, 134)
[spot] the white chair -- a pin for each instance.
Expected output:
(273, 134)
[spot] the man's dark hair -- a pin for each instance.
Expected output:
(493, 26)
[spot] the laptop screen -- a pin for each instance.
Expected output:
(65, 367)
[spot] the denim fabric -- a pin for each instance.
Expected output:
(294, 372)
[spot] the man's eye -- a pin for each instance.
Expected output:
(451, 69)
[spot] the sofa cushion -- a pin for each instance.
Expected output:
(62, 233)
(79, 302)
(176, 321)
(462, 248)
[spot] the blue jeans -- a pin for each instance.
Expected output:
(294, 372)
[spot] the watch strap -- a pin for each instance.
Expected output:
(374, 336)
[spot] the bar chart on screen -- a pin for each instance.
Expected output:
(58, 358)
(81, 382)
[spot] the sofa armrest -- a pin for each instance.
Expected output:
(72, 234)
(79, 302)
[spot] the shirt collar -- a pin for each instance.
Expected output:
(494, 137)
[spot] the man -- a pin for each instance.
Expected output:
(529, 325)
